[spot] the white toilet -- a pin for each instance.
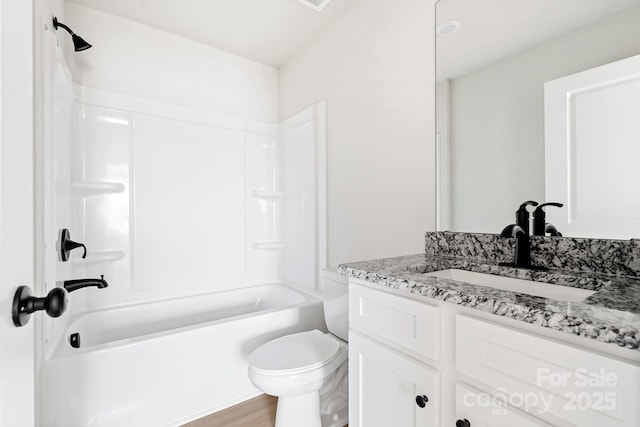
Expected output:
(307, 371)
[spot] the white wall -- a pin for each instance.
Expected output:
(375, 69)
(138, 60)
(497, 123)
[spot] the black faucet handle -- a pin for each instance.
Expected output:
(507, 231)
(539, 208)
(539, 218)
(552, 230)
(512, 230)
(67, 245)
(523, 205)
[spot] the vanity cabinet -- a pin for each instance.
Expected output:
(473, 404)
(386, 388)
(471, 365)
(406, 324)
(389, 336)
(574, 385)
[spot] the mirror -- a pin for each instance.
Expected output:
(493, 58)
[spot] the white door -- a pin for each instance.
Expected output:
(384, 387)
(592, 147)
(16, 210)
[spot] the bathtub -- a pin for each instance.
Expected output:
(166, 363)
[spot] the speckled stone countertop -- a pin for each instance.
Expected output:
(610, 315)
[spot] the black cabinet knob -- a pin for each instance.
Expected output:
(421, 401)
(463, 423)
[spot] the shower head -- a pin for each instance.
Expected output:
(79, 44)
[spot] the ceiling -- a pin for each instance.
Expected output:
(495, 29)
(266, 31)
(272, 31)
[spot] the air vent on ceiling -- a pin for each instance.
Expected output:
(315, 4)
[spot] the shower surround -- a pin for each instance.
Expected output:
(177, 207)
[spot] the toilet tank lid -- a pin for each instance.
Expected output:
(295, 352)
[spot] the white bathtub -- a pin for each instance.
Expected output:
(167, 363)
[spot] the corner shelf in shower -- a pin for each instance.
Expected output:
(97, 188)
(267, 195)
(94, 258)
(268, 246)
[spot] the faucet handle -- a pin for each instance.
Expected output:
(552, 230)
(508, 231)
(67, 245)
(539, 218)
(556, 204)
(523, 205)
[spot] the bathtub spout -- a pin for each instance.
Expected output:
(72, 285)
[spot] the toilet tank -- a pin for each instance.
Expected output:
(335, 296)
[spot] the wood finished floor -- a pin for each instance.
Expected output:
(257, 412)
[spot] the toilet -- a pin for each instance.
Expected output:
(307, 371)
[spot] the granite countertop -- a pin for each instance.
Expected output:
(610, 315)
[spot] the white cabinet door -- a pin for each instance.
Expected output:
(384, 385)
(485, 410)
(550, 378)
(592, 134)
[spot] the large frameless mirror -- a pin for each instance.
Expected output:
(538, 100)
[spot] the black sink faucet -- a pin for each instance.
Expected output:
(523, 249)
(520, 230)
(72, 285)
(522, 219)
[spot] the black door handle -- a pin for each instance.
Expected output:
(24, 304)
(421, 401)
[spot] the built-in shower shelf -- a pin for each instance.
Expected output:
(267, 195)
(96, 188)
(268, 246)
(94, 258)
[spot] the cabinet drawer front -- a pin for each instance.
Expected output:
(483, 409)
(413, 325)
(384, 384)
(546, 377)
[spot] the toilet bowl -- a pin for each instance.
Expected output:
(296, 368)
(308, 371)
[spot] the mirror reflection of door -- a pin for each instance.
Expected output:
(592, 147)
(490, 82)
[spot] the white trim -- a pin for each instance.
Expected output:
(317, 114)
(17, 369)
(322, 186)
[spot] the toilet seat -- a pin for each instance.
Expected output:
(294, 354)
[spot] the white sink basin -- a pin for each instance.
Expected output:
(545, 290)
